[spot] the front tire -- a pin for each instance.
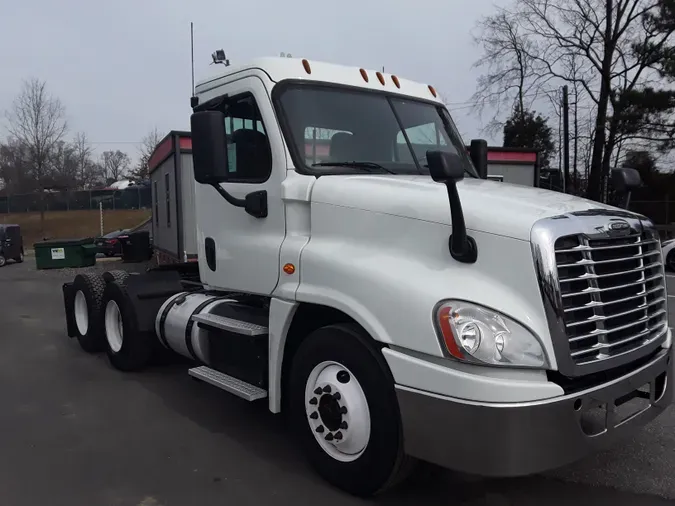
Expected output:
(128, 348)
(344, 410)
(3, 261)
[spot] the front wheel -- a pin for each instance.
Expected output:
(345, 412)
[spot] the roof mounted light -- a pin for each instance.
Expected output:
(433, 91)
(220, 57)
(380, 77)
(396, 81)
(364, 74)
(305, 64)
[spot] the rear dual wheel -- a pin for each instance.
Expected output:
(128, 348)
(344, 410)
(87, 309)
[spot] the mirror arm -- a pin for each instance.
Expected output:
(254, 204)
(230, 199)
(463, 248)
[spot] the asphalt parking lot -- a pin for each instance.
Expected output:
(74, 431)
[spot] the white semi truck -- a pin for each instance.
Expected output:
(394, 303)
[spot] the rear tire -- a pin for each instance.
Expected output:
(128, 349)
(88, 289)
(354, 440)
(3, 261)
(117, 275)
(19, 259)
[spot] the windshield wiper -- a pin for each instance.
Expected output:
(354, 164)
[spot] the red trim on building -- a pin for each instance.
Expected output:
(161, 152)
(512, 156)
(185, 143)
(166, 147)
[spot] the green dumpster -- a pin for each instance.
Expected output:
(57, 254)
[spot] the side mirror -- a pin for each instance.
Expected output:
(209, 147)
(444, 167)
(478, 151)
(625, 180)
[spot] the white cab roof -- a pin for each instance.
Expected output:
(279, 69)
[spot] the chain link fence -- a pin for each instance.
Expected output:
(135, 197)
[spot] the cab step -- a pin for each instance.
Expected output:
(228, 383)
(229, 324)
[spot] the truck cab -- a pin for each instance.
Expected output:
(391, 300)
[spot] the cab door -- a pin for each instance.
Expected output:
(238, 251)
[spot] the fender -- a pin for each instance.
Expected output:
(281, 317)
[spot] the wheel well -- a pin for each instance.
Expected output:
(307, 319)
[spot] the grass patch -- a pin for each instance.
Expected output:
(73, 224)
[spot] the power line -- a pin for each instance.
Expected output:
(114, 142)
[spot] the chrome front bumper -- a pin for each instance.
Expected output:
(515, 439)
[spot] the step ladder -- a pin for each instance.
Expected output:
(228, 383)
(229, 324)
(219, 379)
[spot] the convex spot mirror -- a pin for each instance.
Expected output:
(444, 167)
(625, 179)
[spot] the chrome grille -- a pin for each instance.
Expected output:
(613, 293)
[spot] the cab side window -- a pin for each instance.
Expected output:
(248, 147)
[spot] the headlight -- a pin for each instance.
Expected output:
(475, 334)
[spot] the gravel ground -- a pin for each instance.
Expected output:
(74, 431)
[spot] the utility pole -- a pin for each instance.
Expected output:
(566, 137)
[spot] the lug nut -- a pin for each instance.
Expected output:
(327, 389)
(329, 437)
(314, 415)
(344, 425)
(338, 435)
(313, 401)
(343, 410)
(337, 396)
(320, 429)
(318, 391)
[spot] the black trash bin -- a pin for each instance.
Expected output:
(136, 247)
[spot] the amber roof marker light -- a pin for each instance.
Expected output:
(364, 74)
(380, 77)
(396, 81)
(433, 91)
(305, 64)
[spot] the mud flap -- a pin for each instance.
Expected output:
(69, 306)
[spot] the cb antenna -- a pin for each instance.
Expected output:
(193, 99)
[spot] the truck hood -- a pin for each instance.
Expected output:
(489, 206)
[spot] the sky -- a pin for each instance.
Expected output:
(122, 68)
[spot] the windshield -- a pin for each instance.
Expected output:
(331, 125)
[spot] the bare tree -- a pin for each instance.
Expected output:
(605, 49)
(15, 167)
(63, 172)
(148, 145)
(115, 164)
(511, 77)
(82, 152)
(37, 121)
